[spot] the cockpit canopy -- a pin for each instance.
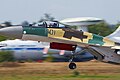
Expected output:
(51, 24)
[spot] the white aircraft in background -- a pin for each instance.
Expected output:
(82, 23)
(39, 51)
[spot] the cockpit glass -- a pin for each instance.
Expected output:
(53, 24)
(39, 24)
(61, 26)
(49, 24)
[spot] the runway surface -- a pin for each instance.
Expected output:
(88, 70)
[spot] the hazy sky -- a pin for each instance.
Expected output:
(32, 10)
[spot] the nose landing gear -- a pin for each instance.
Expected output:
(72, 65)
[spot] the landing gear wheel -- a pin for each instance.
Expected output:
(72, 65)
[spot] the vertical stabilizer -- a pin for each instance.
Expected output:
(115, 36)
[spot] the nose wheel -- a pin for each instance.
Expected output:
(72, 65)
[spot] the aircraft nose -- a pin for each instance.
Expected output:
(12, 32)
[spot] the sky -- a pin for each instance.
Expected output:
(18, 11)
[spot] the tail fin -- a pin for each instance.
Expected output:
(115, 36)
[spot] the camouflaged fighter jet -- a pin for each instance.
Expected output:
(64, 38)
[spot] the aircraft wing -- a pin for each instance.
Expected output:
(105, 54)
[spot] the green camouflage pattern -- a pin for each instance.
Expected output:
(70, 35)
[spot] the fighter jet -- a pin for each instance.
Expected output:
(64, 38)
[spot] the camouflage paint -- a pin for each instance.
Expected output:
(108, 42)
(89, 36)
(96, 40)
(35, 31)
(55, 32)
(70, 35)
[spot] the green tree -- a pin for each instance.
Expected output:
(2, 38)
(47, 17)
(6, 56)
(102, 29)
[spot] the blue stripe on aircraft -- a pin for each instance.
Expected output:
(22, 49)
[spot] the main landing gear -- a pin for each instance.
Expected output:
(72, 65)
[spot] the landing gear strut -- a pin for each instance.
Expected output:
(72, 65)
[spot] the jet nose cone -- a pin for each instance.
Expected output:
(12, 32)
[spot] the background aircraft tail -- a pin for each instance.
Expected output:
(115, 36)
